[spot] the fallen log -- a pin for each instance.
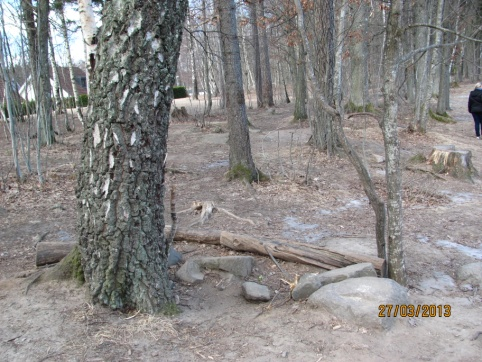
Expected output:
(201, 236)
(53, 252)
(298, 252)
(49, 252)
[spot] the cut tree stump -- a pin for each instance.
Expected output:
(457, 163)
(53, 252)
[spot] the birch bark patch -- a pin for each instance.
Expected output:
(96, 135)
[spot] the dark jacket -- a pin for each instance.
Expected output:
(475, 101)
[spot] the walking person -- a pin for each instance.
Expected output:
(475, 107)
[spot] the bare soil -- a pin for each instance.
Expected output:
(310, 197)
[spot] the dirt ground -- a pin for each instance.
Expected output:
(310, 198)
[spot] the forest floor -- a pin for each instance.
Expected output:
(310, 198)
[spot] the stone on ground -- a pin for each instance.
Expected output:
(357, 300)
(470, 276)
(310, 283)
(256, 292)
(192, 270)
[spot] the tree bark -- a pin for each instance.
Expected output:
(207, 85)
(121, 182)
(358, 94)
(241, 163)
(44, 99)
(258, 81)
(63, 29)
(267, 80)
(396, 261)
(89, 32)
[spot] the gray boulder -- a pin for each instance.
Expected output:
(358, 300)
(310, 283)
(256, 292)
(192, 270)
(470, 274)
(174, 257)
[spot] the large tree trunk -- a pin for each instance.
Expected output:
(240, 160)
(121, 181)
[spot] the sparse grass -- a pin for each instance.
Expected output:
(418, 158)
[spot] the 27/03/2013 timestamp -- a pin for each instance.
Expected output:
(410, 310)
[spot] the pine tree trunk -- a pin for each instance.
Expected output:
(121, 183)
(240, 159)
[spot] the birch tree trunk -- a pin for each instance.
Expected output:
(89, 32)
(240, 159)
(121, 182)
(65, 37)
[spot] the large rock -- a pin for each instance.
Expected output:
(310, 283)
(357, 300)
(192, 270)
(256, 292)
(470, 274)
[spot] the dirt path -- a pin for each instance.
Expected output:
(310, 198)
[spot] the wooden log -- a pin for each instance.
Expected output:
(298, 252)
(457, 163)
(201, 236)
(53, 252)
(49, 252)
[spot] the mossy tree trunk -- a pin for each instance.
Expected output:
(121, 182)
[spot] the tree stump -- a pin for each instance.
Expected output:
(457, 163)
